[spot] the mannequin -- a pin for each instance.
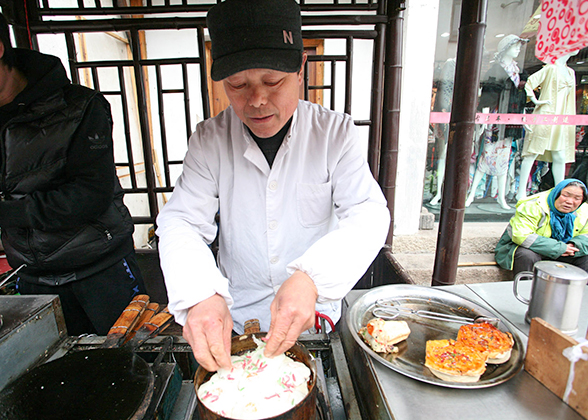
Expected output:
(550, 143)
(443, 104)
(502, 92)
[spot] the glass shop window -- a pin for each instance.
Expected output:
(532, 129)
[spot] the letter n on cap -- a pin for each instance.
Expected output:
(288, 38)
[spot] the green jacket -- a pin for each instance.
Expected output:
(530, 228)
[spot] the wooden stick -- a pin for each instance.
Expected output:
(126, 321)
(476, 264)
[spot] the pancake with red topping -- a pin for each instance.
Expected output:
(486, 337)
(455, 361)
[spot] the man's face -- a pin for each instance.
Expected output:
(263, 99)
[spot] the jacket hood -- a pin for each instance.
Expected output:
(45, 75)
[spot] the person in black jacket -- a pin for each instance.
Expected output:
(62, 216)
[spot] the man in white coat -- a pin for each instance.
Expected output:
(300, 216)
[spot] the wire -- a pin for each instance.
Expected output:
(28, 24)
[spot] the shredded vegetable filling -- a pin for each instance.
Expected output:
(256, 387)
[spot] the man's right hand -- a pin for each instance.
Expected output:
(208, 330)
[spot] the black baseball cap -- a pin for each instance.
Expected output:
(250, 34)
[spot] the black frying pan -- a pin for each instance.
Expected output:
(99, 384)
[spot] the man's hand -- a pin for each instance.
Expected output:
(208, 330)
(292, 312)
(570, 250)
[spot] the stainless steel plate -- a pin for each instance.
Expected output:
(410, 360)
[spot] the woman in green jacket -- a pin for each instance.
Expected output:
(551, 225)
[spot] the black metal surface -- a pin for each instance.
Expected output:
(15, 309)
(100, 384)
(321, 414)
(49, 8)
(168, 381)
(323, 403)
(336, 399)
(334, 379)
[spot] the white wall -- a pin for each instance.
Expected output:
(420, 30)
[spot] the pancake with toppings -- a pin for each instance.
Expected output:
(486, 337)
(455, 361)
(256, 387)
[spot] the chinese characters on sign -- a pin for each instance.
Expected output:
(517, 119)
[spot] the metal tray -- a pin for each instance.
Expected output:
(410, 360)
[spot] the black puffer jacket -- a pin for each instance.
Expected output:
(61, 208)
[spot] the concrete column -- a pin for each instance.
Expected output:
(420, 32)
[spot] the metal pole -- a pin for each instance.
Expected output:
(391, 117)
(375, 134)
(459, 146)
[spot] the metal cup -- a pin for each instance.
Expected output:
(556, 294)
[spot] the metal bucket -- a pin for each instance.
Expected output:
(556, 294)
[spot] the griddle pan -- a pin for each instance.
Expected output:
(100, 384)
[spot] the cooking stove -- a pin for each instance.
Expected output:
(38, 334)
(174, 396)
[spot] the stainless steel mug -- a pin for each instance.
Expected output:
(556, 294)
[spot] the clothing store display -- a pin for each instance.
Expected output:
(561, 92)
(502, 92)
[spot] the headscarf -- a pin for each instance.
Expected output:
(562, 224)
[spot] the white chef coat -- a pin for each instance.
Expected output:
(318, 209)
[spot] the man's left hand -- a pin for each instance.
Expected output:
(292, 312)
